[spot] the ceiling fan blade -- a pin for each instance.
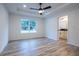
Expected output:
(34, 9)
(47, 7)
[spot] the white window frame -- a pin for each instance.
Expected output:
(29, 31)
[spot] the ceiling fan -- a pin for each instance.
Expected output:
(41, 10)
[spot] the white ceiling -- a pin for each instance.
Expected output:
(13, 8)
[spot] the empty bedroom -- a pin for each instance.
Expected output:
(39, 29)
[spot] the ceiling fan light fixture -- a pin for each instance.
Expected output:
(40, 11)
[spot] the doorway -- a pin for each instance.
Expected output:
(63, 27)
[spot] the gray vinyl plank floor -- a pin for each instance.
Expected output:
(40, 47)
(25, 47)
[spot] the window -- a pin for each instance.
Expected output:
(28, 26)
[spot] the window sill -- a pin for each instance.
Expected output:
(25, 32)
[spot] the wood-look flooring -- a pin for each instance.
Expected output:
(40, 47)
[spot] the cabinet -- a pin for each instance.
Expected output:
(63, 34)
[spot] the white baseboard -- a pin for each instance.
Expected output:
(73, 44)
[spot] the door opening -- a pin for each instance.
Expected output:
(63, 27)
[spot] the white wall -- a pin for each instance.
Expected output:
(51, 28)
(15, 34)
(3, 28)
(73, 37)
(73, 21)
